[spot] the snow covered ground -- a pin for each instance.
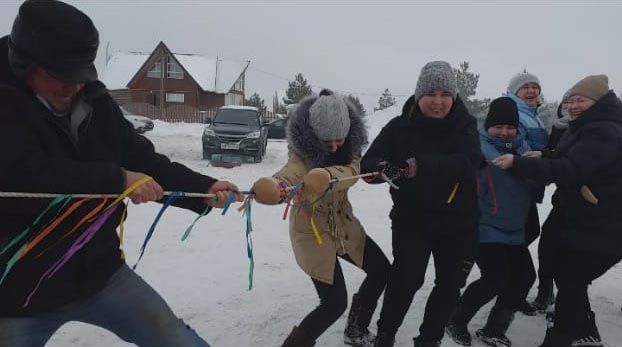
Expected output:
(204, 279)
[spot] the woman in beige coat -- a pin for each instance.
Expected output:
(326, 135)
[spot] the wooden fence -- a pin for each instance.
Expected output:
(180, 113)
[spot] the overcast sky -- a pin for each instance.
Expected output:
(363, 47)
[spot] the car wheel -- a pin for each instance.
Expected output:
(207, 155)
(258, 156)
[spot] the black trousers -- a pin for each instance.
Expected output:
(411, 253)
(501, 268)
(573, 271)
(528, 269)
(334, 297)
(549, 244)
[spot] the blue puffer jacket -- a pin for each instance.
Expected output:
(530, 125)
(503, 198)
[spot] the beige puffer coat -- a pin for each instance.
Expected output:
(341, 232)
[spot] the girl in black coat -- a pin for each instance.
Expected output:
(587, 169)
(431, 153)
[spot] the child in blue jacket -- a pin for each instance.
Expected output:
(504, 203)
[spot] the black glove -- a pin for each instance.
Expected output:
(396, 172)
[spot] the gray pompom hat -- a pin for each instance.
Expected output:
(329, 117)
(520, 79)
(436, 75)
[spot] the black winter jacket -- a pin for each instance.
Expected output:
(40, 155)
(447, 152)
(588, 154)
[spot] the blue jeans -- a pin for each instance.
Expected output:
(127, 306)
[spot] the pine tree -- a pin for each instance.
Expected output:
(297, 89)
(277, 106)
(467, 86)
(357, 103)
(256, 101)
(386, 100)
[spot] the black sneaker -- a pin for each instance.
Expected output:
(491, 340)
(587, 341)
(459, 333)
(539, 306)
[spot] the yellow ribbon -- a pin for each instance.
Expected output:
(129, 190)
(121, 230)
(316, 232)
(453, 193)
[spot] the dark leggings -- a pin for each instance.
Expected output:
(334, 297)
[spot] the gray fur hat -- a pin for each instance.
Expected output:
(520, 79)
(329, 118)
(436, 75)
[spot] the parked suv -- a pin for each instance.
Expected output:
(236, 130)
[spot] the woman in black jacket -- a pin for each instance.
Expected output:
(430, 155)
(587, 169)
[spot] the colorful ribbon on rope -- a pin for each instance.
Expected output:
(86, 236)
(58, 203)
(165, 205)
(249, 240)
(189, 228)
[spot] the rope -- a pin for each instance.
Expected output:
(92, 196)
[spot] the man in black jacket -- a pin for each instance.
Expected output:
(61, 132)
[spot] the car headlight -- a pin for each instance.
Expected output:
(254, 135)
(208, 132)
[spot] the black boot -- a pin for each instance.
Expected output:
(457, 326)
(356, 333)
(459, 333)
(493, 333)
(298, 338)
(545, 295)
(384, 339)
(527, 309)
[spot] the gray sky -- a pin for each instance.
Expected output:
(366, 46)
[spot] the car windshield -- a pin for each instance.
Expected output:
(236, 116)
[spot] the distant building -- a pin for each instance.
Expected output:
(173, 86)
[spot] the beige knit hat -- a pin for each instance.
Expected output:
(593, 87)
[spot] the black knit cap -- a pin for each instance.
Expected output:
(56, 36)
(502, 111)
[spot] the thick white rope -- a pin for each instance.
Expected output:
(54, 195)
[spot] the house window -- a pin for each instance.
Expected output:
(233, 99)
(175, 97)
(155, 71)
(174, 71)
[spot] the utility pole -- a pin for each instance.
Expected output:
(216, 77)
